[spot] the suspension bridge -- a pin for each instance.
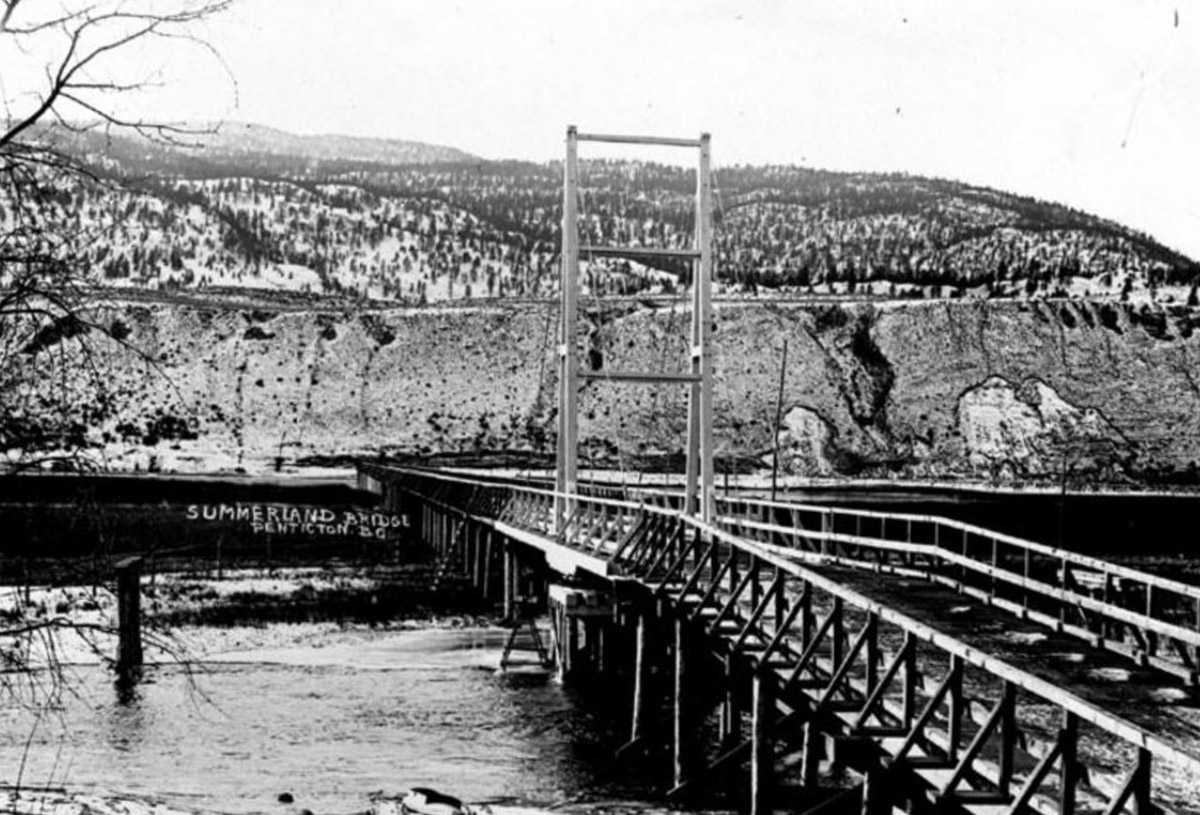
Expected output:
(822, 659)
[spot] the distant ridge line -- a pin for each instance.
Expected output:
(247, 137)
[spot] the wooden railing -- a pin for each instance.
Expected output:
(1152, 619)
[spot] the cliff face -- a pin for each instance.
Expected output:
(949, 389)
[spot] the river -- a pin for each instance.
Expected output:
(365, 711)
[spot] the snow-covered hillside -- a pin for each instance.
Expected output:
(393, 220)
(314, 238)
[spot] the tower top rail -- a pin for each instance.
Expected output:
(664, 141)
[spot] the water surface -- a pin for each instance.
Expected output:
(375, 711)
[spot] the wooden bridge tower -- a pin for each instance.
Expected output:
(699, 475)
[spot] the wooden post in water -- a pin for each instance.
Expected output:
(463, 546)
(1068, 736)
(477, 559)
(564, 643)
(731, 714)
(682, 747)
(510, 579)
(598, 647)
(762, 750)
(641, 677)
(572, 637)
(129, 617)
(487, 566)
(810, 764)
(874, 794)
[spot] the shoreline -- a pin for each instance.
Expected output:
(189, 617)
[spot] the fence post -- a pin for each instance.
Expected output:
(129, 617)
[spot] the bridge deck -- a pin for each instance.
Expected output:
(1154, 699)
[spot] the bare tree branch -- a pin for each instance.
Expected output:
(53, 341)
(116, 29)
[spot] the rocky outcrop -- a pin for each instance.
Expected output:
(807, 444)
(1029, 430)
(995, 390)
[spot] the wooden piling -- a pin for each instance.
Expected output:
(487, 566)
(477, 559)
(682, 748)
(641, 678)
(568, 643)
(129, 617)
(587, 647)
(810, 764)
(762, 749)
(555, 643)
(1068, 740)
(600, 647)
(572, 640)
(874, 794)
(464, 541)
(731, 714)
(510, 579)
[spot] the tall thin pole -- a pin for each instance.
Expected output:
(698, 491)
(568, 429)
(778, 421)
(704, 229)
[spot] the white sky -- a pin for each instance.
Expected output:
(1093, 103)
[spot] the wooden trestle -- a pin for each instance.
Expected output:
(923, 664)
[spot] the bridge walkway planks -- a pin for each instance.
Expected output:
(1156, 700)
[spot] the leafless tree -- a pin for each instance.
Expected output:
(64, 78)
(66, 83)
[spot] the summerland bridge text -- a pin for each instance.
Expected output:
(268, 519)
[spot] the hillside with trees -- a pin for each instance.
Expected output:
(399, 221)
